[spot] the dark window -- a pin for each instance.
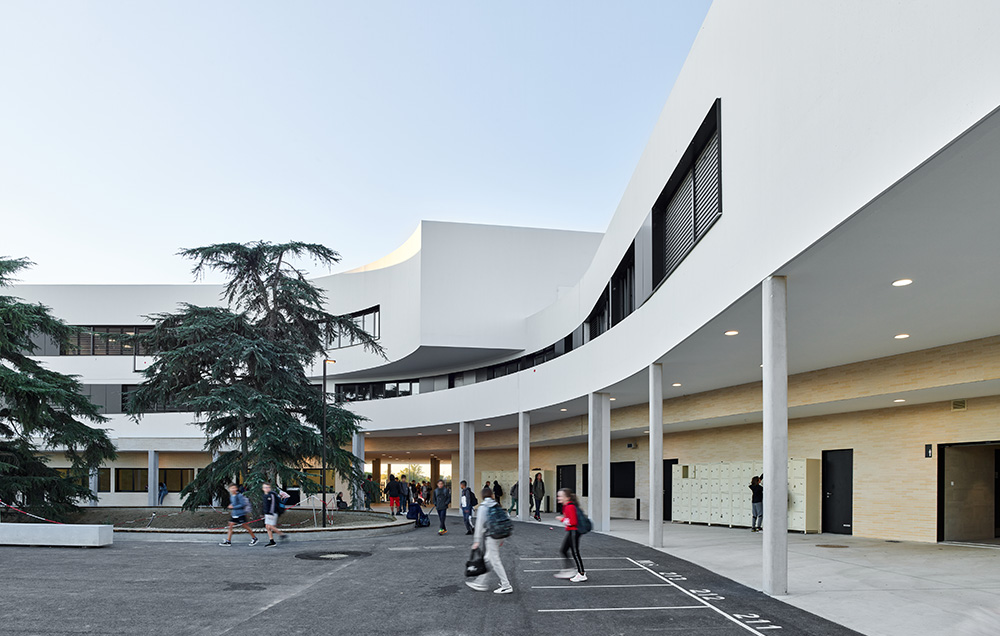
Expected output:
(623, 288)
(369, 320)
(104, 341)
(131, 479)
(600, 319)
(623, 479)
(162, 407)
(176, 478)
(103, 480)
(586, 480)
(691, 201)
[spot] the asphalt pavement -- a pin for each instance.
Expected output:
(409, 583)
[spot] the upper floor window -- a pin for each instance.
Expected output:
(104, 341)
(691, 202)
(368, 319)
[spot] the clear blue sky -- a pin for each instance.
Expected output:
(131, 129)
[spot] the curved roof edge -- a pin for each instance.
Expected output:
(406, 251)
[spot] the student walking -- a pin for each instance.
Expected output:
(537, 493)
(239, 511)
(491, 553)
(497, 492)
(573, 570)
(513, 499)
(162, 492)
(466, 501)
(757, 504)
(272, 508)
(442, 499)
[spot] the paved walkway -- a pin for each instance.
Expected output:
(411, 583)
(876, 587)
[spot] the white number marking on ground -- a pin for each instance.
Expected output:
(702, 600)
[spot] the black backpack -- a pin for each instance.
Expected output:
(498, 491)
(472, 499)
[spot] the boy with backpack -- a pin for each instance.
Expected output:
(466, 501)
(273, 507)
(442, 499)
(239, 512)
(493, 525)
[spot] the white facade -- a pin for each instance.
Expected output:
(859, 145)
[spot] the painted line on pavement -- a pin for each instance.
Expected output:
(590, 558)
(700, 600)
(594, 570)
(429, 547)
(593, 587)
(623, 609)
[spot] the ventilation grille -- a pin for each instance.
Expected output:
(959, 405)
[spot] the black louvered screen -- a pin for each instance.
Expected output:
(678, 238)
(691, 201)
(707, 187)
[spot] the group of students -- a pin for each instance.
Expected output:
(401, 493)
(571, 517)
(240, 511)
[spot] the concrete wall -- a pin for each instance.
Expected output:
(969, 502)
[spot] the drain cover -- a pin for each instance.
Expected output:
(830, 545)
(331, 555)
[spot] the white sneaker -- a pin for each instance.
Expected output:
(476, 586)
(503, 589)
(579, 578)
(565, 574)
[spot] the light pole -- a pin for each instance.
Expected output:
(323, 474)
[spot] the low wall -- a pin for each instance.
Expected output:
(59, 535)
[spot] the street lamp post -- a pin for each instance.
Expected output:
(323, 474)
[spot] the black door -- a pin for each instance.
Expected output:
(838, 491)
(996, 492)
(565, 478)
(668, 488)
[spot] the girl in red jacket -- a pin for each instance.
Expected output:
(571, 544)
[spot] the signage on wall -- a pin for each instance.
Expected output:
(928, 450)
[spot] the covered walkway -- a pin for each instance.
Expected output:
(877, 587)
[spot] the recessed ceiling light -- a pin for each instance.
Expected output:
(901, 336)
(676, 384)
(449, 430)
(488, 424)
(645, 431)
(407, 452)
(613, 399)
(419, 433)
(732, 332)
(367, 433)
(563, 410)
(899, 400)
(902, 282)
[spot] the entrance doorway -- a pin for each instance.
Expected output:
(668, 489)
(969, 492)
(565, 478)
(838, 491)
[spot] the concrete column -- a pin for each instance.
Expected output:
(656, 476)
(376, 470)
(358, 449)
(153, 487)
(775, 437)
(523, 466)
(436, 471)
(95, 483)
(599, 457)
(466, 455)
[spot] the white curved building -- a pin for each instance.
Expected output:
(825, 150)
